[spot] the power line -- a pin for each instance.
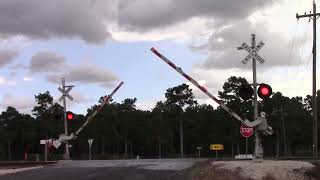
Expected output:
(293, 40)
(292, 45)
(306, 66)
(302, 47)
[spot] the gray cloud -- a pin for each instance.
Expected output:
(80, 99)
(44, 19)
(92, 20)
(7, 57)
(223, 53)
(86, 73)
(18, 66)
(15, 69)
(46, 62)
(21, 103)
(144, 15)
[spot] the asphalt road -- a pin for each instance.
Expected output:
(108, 170)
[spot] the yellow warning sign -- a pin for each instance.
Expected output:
(216, 147)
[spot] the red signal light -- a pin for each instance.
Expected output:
(264, 91)
(70, 115)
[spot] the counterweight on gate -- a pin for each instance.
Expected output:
(204, 90)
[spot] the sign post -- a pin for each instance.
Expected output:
(46, 151)
(90, 144)
(216, 147)
(246, 148)
(199, 149)
(46, 142)
(246, 132)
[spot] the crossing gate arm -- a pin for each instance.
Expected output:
(105, 101)
(204, 90)
(62, 139)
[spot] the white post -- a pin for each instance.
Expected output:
(246, 148)
(67, 155)
(46, 151)
(90, 144)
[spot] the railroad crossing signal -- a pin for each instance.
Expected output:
(66, 93)
(65, 138)
(256, 121)
(252, 52)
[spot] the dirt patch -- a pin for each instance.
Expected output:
(314, 172)
(268, 169)
(276, 170)
(207, 171)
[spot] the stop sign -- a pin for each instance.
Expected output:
(246, 131)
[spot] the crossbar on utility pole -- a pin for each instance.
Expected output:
(314, 15)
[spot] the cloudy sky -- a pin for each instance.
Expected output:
(95, 44)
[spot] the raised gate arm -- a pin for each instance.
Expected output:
(204, 90)
(106, 101)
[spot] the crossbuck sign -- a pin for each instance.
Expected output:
(252, 52)
(66, 93)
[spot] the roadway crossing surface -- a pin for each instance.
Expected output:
(108, 169)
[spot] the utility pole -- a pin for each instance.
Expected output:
(314, 15)
(181, 134)
(284, 133)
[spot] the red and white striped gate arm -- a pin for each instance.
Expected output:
(204, 90)
(105, 101)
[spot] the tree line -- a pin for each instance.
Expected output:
(174, 127)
